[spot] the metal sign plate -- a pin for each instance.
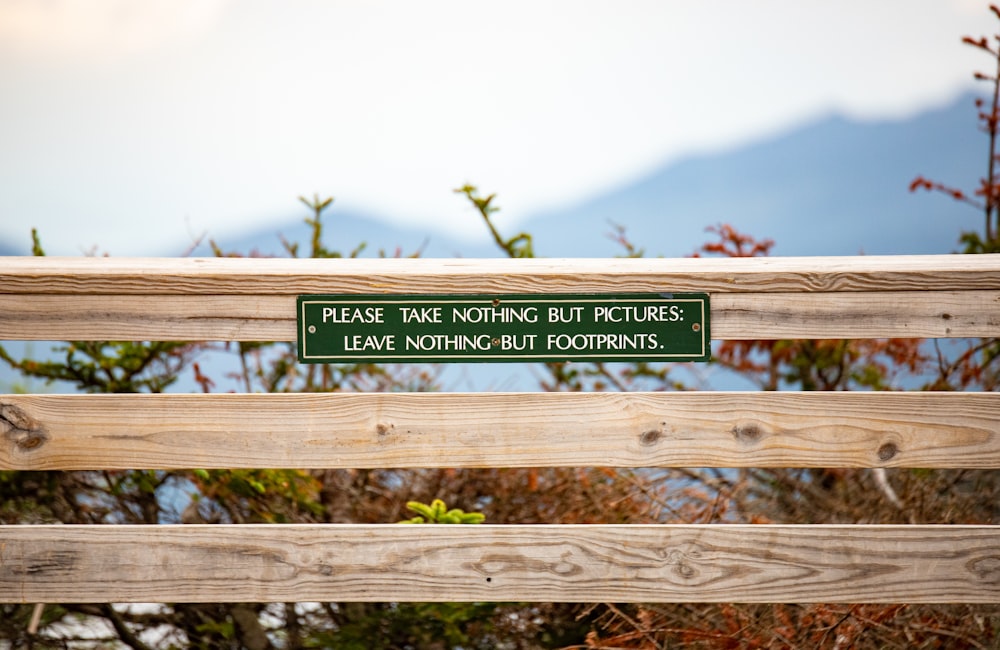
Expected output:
(503, 328)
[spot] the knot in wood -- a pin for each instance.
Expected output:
(986, 569)
(650, 438)
(685, 571)
(887, 451)
(747, 433)
(681, 565)
(20, 428)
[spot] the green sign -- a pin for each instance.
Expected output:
(497, 328)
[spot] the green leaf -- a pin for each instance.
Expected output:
(426, 511)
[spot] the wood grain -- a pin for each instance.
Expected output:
(735, 316)
(256, 276)
(596, 563)
(339, 430)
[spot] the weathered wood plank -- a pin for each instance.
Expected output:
(339, 430)
(246, 276)
(684, 563)
(900, 314)
(147, 318)
(735, 316)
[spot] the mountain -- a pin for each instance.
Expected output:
(835, 186)
(7, 248)
(343, 230)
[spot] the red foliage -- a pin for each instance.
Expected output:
(989, 187)
(733, 243)
(202, 380)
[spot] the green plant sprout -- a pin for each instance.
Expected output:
(438, 513)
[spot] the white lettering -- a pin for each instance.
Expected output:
(448, 342)
(602, 342)
(504, 314)
(362, 343)
(565, 314)
(638, 314)
(347, 315)
(421, 314)
(517, 342)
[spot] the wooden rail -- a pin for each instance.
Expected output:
(563, 563)
(338, 430)
(249, 276)
(253, 299)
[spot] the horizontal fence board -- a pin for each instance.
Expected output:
(147, 318)
(595, 563)
(925, 314)
(257, 276)
(735, 316)
(388, 430)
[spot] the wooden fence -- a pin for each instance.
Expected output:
(254, 300)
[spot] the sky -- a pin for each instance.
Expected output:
(131, 128)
